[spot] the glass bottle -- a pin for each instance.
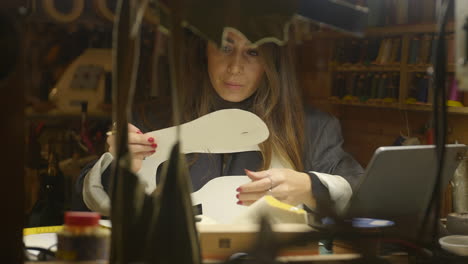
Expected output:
(82, 238)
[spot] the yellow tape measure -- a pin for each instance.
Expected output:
(41, 230)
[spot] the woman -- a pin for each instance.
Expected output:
(315, 170)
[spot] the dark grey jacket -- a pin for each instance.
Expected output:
(323, 153)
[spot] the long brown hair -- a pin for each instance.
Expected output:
(277, 101)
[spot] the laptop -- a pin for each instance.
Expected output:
(398, 184)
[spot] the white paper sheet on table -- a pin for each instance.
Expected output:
(44, 240)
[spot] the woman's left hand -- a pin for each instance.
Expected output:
(286, 185)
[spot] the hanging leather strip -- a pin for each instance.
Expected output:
(53, 12)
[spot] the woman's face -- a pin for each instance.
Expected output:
(235, 70)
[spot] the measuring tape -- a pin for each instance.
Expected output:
(41, 230)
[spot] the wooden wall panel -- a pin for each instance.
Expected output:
(12, 156)
(12, 3)
(365, 129)
(313, 72)
(458, 128)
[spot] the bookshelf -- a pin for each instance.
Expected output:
(368, 124)
(388, 68)
(394, 105)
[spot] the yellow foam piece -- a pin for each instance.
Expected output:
(273, 202)
(277, 212)
(41, 230)
(454, 103)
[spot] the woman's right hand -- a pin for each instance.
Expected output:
(140, 146)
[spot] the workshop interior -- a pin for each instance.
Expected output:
(393, 74)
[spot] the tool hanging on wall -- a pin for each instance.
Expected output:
(83, 81)
(150, 16)
(9, 46)
(50, 8)
(106, 10)
(102, 8)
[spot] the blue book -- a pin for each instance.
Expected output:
(423, 86)
(382, 86)
(376, 16)
(414, 51)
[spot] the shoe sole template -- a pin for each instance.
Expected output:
(223, 131)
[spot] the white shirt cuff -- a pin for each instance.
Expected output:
(339, 189)
(94, 195)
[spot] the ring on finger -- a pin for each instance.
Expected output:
(270, 192)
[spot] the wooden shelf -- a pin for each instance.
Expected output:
(427, 68)
(364, 104)
(54, 114)
(420, 68)
(404, 29)
(410, 107)
(428, 107)
(364, 68)
(390, 30)
(392, 68)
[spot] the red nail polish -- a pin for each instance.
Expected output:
(239, 202)
(237, 196)
(139, 132)
(154, 145)
(151, 139)
(238, 189)
(153, 151)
